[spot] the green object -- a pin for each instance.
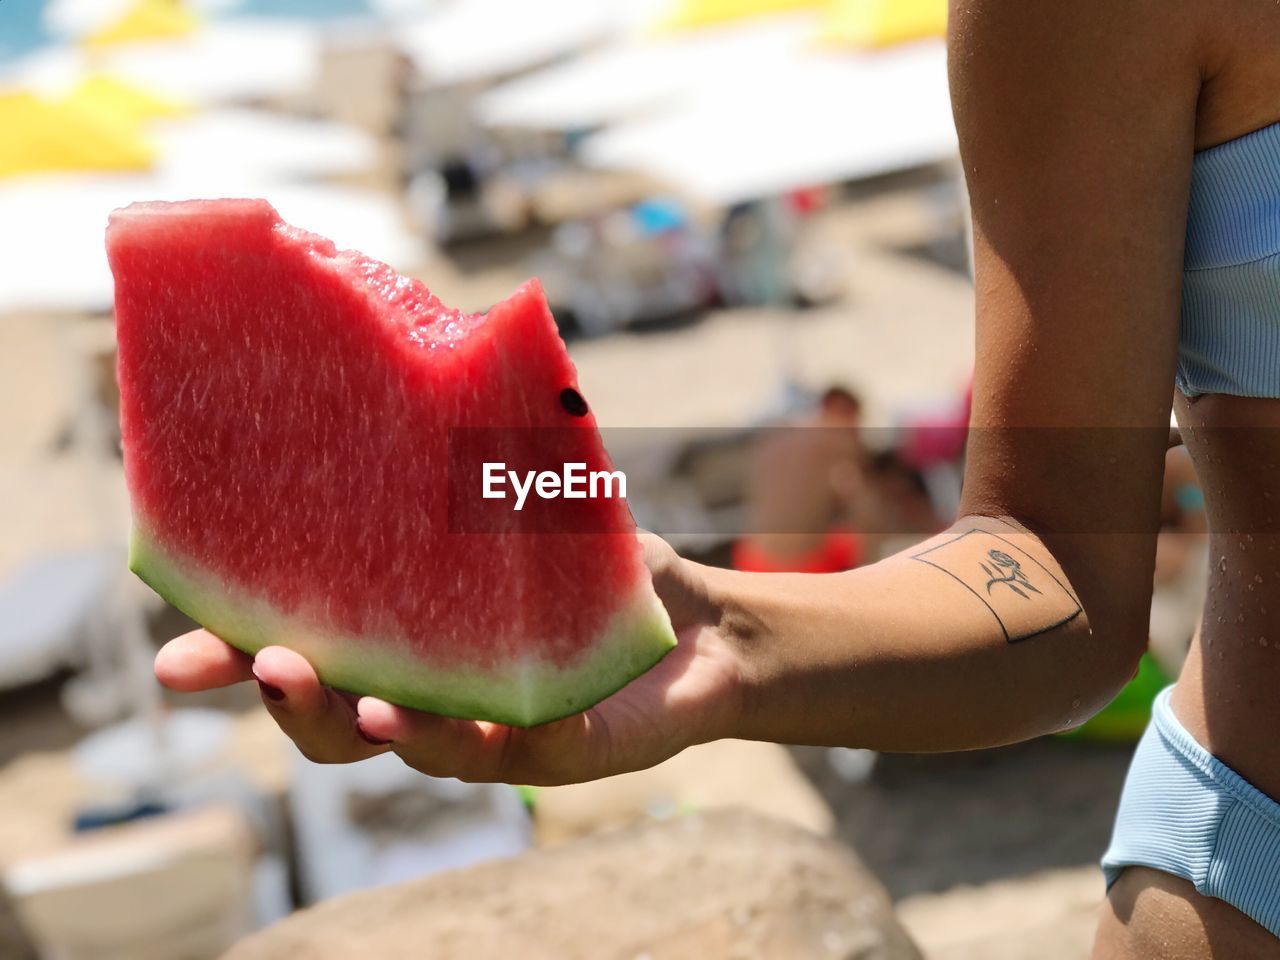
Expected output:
(528, 796)
(1125, 717)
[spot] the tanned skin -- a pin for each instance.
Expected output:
(1078, 123)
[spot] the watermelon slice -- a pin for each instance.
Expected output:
(287, 412)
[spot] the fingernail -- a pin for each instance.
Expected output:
(367, 738)
(270, 691)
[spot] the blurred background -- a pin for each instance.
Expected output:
(750, 220)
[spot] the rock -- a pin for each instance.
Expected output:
(724, 774)
(727, 884)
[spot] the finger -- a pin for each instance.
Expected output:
(677, 583)
(320, 722)
(200, 661)
(469, 750)
(659, 556)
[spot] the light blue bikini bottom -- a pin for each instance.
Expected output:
(1185, 812)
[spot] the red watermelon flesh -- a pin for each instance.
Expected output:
(286, 411)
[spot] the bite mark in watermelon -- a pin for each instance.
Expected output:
(286, 410)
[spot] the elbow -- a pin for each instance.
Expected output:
(1111, 577)
(1101, 650)
(1113, 655)
(1120, 665)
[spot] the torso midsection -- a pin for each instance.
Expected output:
(1229, 694)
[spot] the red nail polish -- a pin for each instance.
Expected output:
(271, 693)
(367, 738)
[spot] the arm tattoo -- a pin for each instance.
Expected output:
(1015, 579)
(1024, 597)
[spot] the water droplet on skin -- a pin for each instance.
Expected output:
(1240, 618)
(1222, 564)
(1075, 704)
(1249, 537)
(1262, 641)
(1249, 586)
(1257, 578)
(1221, 619)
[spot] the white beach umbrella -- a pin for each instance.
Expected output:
(53, 242)
(365, 220)
(481, 39)
(259, 143)
(78, 18)
(642, 72)
(225, 61)
(230, 60)
(817, 119)
(54, 257)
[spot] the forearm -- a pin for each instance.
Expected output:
(971, 639)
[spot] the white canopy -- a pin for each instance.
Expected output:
(479, 39)
(816, 119)
(642, 72)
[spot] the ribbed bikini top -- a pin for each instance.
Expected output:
(1229, 341)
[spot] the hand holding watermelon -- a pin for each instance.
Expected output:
(691, 696)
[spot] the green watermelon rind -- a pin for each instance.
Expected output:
(529, 693)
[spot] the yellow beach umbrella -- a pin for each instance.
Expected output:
(702, 13)
(108, 96)
(47, 136)
(884, 23)
(145, 20)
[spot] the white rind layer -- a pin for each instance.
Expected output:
(523, 693)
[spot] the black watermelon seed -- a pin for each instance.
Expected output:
(572, 402)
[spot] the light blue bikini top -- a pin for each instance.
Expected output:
(1229, 340)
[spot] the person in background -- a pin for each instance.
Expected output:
(804, 479)
(897, 510)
